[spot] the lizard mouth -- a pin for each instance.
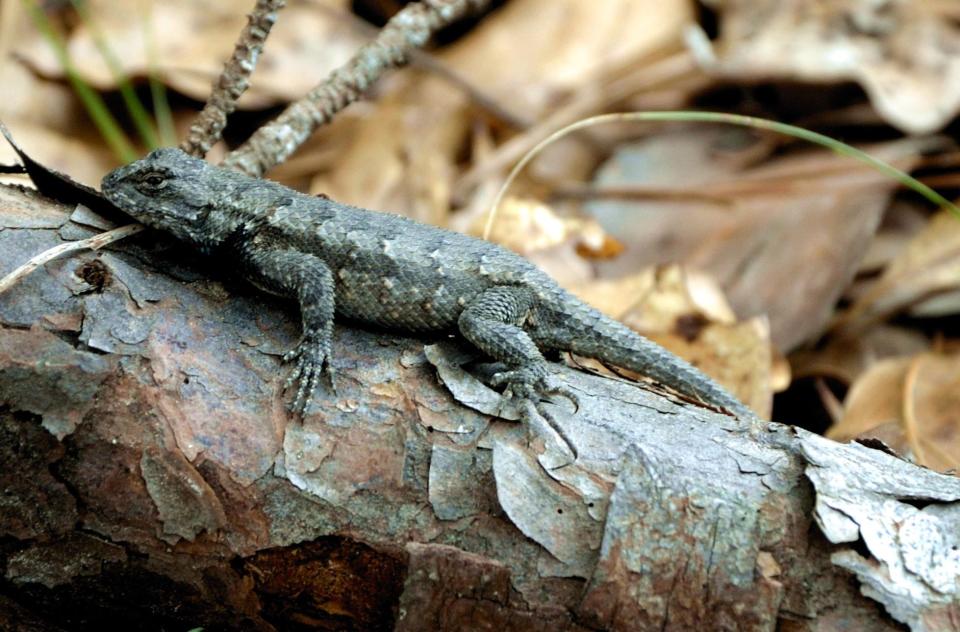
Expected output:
(111, 187)
(108, 186)
(111, 183)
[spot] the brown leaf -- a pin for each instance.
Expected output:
(785, 243)
(401, 156)
(846, 358)
(903, 54)
(39, 102)
(901, 223)
(566, 44)
(190, 46)
(912, 404)
(928, 266)
(527, 226)
(614, 297)
(82, 161)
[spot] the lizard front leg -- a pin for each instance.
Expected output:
(307, 279)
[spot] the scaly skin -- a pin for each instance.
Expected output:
(389, 271)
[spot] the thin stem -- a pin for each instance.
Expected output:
(233, 80)
(93, 243)
(733, 119)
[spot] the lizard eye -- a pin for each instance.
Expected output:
(151, 182)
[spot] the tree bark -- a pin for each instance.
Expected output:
(153, 479)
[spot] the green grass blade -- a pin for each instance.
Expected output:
(158, 91)
(161, 109)
(96, 108)
(733, 119)
(138, 114)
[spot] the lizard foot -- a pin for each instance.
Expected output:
(533, 382)
(529, 385)
(312, 357)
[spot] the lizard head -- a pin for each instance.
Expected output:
(175, 192)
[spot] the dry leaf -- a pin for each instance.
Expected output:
(44, 115)
(902, 53)
(845, 358)
(416, 131)
(679, 294)
(527, 226)
(524, 225)
(401, 156)
(911, 404)
(786, 243)
(190, 45)
(901, 223)
(928, 266)
(597, 244)
(615, 297)
(37, 101)
(555, 244)
(566, 45)
(85, 160)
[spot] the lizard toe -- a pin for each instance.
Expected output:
(533, 382)
(294, 375)
(550, 385)
(541, 423)
(521, 381)
(311, 360)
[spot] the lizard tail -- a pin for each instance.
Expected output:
(577, 327)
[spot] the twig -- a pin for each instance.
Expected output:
(233, 80)
(409, 29)
(831, 404)
(93, 243)
(430, 63)
(581, 191)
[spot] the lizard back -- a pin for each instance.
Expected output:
(383, 264)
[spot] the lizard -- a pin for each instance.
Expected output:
(340, 261)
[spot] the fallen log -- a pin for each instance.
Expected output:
(152, 478)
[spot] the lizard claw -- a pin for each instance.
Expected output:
(530, 384)
(542, 423)
(552, 386)
(533, 382)
(312, 360)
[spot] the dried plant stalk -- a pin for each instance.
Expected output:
(233, 81)
(93, 243)
(408, 30)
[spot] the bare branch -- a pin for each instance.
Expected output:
(408, 30)
(233, 81)
(432, 64)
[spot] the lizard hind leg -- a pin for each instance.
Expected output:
(493, 322)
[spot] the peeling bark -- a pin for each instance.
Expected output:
(152, 478)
